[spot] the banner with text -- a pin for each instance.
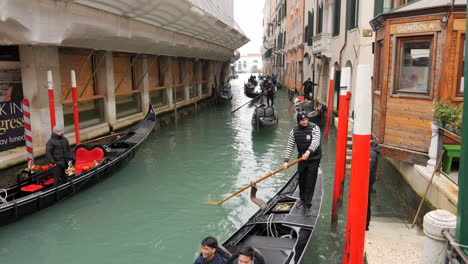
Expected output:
(11, 125)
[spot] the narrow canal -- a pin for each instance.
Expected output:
(153, 210)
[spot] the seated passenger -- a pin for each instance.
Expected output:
(208, 252)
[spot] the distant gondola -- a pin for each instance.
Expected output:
(264, 115)
(280, 232)
(249, 90)
(37, 191)
(313, 113)
(225, 94)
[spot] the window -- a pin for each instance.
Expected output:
(336, 18)
(382, 6)
(379, 62)
(353, 12)
(319, 19)
(413, 74)
(461, 66)
(309, 29)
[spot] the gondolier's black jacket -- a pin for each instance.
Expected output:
(58, 150)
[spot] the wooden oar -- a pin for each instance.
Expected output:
(255, 182)
(111, 135)
(243, 105)
(436, 169)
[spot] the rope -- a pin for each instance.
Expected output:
(3, 199)
(460, 245)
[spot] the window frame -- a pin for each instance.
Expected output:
(379, 58)
(461, 39)
(398, 52)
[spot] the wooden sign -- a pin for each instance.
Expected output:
(415, 27)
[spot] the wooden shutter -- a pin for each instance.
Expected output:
(122, 72)
(78, 60)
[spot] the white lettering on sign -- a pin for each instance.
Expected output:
(417, 27)
(424, 26)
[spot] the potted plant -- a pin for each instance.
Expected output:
(448, 116)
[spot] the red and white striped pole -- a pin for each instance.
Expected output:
(28, 132)
(50, 88)
(76, 115)
(359, 179)
(341, 140)
(330, 101)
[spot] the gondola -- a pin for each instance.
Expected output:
(264, 115)
(249, 90)
(35, 191)
(280, 231)
(225, 94)
(313, 113)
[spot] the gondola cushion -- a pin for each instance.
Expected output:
(85, 158)
(48, 182)
(31, 188)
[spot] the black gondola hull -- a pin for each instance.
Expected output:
(15, 209)
(291, 230)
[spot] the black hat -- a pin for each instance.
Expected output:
(301, 115)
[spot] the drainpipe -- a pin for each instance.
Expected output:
(462, 218)
(345, 38)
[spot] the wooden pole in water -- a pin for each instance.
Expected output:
(360, 165)
(330, 102)
(76, 115)
(50, 89)
(341, 140)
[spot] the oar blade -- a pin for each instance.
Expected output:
(212, 202)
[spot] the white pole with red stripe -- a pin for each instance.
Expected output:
(341, 142)
(50, 88)
(76, 115)
(27, 131)
(359, 179)
(330, 101)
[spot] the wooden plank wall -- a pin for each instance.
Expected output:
(190, 71)
(408, 123)
(71, 59)
(122, 63)
(153, 71)
(176, 80)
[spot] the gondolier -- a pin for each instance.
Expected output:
(58, 153)
(306, 135)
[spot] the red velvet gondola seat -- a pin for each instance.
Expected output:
(31, 188)
(86, 158)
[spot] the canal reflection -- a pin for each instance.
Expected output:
(153, 210)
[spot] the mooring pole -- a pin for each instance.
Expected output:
(76, 115)
(50, 89)
(341, 141)
(330, 101)
(359, 179)
(462, 217)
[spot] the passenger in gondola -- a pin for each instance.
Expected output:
(58, 153)
(306, 136)
(209, 255)
(244, 255)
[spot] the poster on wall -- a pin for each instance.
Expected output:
(11, 125)
(10, 85)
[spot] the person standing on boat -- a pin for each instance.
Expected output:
(270, 92)
(209, 255)
(374, 157)
(58, 153)
(306, 135)
(308, 89)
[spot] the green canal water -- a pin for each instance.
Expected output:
(153, 210)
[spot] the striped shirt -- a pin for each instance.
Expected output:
(292, 143)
